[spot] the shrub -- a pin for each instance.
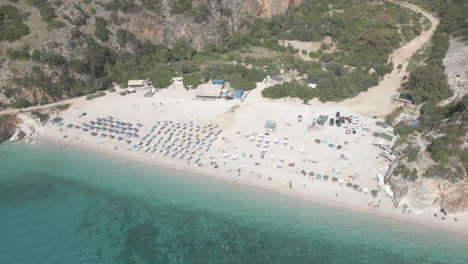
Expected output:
(181, 6)
(101, 30)
(11, 24)
(96, 95)
(22, 103)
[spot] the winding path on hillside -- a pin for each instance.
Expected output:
(377, 100)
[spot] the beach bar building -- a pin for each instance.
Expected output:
(136, 83)
(209, 90)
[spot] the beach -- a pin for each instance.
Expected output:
(228, 136)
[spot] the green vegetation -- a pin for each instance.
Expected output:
(413, 153)
(11, 24)
(405, 172)
(96, 95)
(53, 60)
(292, 89)
(363, 44)
(453, 14)
(63, 107)
(390, 118)
(22, 54)
(181, 6)
(47, 12)
(41, 116)
(126, 6)
(443, 127)
(447, 150)
(100, 29)
(22, 103)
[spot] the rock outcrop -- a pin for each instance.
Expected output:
(7, 127)
(17, 127)
(432, 194)
(454, 200)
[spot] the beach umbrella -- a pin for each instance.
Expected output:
(303, 172)
(374, 193)
(319, 176)
(325, 177)
(341, 181)
(311, 173)
(355, 186)
(334, 179)
(349, 184)
(365, 190)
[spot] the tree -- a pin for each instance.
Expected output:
(101, 30)
(182, 50)
(429, 83)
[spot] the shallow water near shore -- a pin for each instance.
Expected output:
(73, 206)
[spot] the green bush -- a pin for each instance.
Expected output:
(390, 118)
(96, 95)
(47, 12)
(181, 6)
(22, 103)
(100, 29)
(11, 24)
(22, 54)
(52, 59)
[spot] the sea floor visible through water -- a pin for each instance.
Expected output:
(68, 205)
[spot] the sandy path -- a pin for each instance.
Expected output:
(40, 107)
(377, 100)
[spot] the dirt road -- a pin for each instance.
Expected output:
(377, 100)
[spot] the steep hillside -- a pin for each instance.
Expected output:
(39, 37)
(432, 169)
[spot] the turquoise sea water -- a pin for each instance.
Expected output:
(72, 206)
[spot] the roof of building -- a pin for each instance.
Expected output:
(209, 90)
(136, 82)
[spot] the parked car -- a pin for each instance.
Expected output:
(338, 123)
(381, 124)
(337, 114)
(332, 122)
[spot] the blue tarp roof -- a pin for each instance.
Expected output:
(239, 94)
(413, 123)
(217, 81)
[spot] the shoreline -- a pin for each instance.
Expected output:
(338, 204)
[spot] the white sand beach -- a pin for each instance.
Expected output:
(228, 139)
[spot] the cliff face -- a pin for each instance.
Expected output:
(242, 12)
(274, 7)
